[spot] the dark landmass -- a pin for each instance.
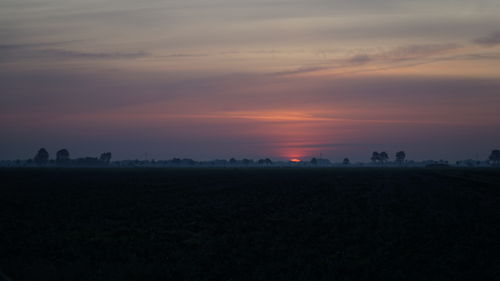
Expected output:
(250, 224)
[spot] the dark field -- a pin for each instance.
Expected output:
(250, 224)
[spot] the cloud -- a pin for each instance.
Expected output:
(392, 58)
(183, 55)
(300, 70)
(360, 59)
(419, 51)
(13, 47)
(324, 145)
(480, 56)
(25, 46)
(69, 54)
(490, 40)
(405, 53)
(15, 52)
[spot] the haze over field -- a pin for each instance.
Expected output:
(219, 79)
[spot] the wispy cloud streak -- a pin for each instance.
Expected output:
(14, 52)
(490, 40)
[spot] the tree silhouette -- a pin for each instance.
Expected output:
(383, 157)
(346, 161)
(375, 157)
(232, 161)
(62, 156)
(105, 157)
(266, 161)
(400, 157)
(42, 157)
(495, 157)
(314, 161)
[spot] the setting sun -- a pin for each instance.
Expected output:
(295, 160)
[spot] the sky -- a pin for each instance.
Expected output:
(250, 79)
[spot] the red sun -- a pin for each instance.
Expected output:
(295, 160)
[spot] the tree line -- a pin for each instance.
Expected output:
(42, 157)
(383, 157)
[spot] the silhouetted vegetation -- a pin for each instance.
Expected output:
(105, 157)
(377, 159)
(88, 161)
(42, 157)
(400, 157)
(381, 157)
(266, 161)
(346, 161)
(62, 157)
(495, 157)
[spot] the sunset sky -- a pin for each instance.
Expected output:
(256, 78)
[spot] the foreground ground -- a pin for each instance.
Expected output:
(250, 224)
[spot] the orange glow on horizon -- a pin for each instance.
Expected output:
(295, 160)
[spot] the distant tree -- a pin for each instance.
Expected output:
(375, 157)
(105, 157)
(88, 161)
(62, 156)
(383, 157)
(495, 157)
(266, 161)
(400, 157)
(42, 157)
(232, 161)
(188, 161)
(246, 161)
(314, 161)
(346, 161)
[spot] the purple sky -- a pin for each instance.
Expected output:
(281, 79)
